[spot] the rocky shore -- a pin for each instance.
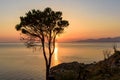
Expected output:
(108, 69)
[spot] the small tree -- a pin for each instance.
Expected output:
(106, 54)
(43, 27)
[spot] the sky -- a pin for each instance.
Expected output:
(87, 18)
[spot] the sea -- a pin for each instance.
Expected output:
(18, 62)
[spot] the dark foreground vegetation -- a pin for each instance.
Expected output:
(108, 69)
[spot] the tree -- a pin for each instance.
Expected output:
(43, 27)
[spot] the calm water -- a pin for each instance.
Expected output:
(20, 63)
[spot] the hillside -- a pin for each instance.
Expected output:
(108, 69)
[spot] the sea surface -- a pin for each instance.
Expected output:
(17, 62)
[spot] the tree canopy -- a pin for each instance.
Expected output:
(39, 24)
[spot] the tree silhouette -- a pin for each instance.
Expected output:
(43, 27)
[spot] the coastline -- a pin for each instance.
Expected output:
(108, 69)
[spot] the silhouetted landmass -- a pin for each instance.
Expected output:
(108, 69)
(109, 39)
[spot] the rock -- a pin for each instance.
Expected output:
(108, 69)
(69, 71)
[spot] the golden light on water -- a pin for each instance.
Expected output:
(55, 57)
(56, 54)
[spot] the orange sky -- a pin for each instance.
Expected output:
(87, 18)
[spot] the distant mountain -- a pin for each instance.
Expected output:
(109, 39)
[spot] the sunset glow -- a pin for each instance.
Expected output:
(87, 18)
(59, 39)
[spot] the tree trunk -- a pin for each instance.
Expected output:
(48, 67)
(47, 72)
(46, 61)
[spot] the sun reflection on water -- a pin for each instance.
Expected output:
(55, 56)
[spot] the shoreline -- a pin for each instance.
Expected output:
(107, 69)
